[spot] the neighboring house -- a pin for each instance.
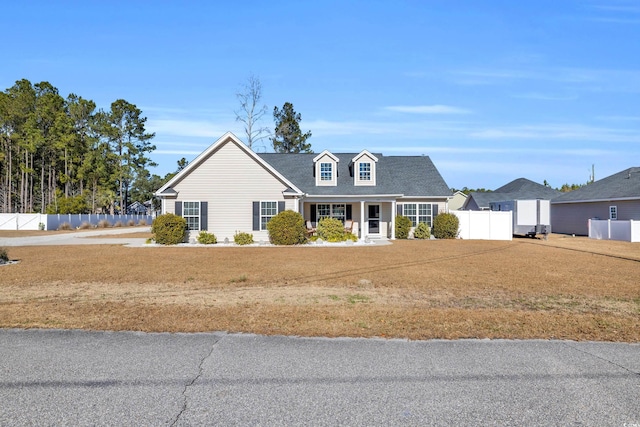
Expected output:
(229, 188)
(518, 189)
(616, 197)
(139, 208)
(457, 200)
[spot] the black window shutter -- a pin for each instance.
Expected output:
(349, 215)
(313, 219)
(178, 208)
(256, 216)
(203, 216)
(280, 206)
(399, 209)
(434, 210)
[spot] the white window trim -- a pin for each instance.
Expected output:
(326, 157)
(362, 158)
(186, 217)
(417, 216)
(264, 228)
(613, 212)
(324, 172)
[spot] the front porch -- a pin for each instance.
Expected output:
(372, 219)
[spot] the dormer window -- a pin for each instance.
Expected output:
(364, 168)
(325, 166)
(326, 171)
(364, 171)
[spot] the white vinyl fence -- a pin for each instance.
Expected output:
(15, 221)
(606, 229)
(485, 225)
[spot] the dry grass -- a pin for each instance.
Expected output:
(565, 288)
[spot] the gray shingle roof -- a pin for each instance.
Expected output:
(518, 189)
(407, 175)
(622, 185)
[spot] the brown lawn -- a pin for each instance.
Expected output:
(563, 288)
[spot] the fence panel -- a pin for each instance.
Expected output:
(606, 229)
(14, 221)
(485, 225)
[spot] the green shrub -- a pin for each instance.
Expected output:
(243, 238)
(287, 228)
(403, 225)
(169, 229)
(331, 230)
(422, 231)
(68, 205)
(206, 238)
(4, 256)
(445, 226)
(351, 236)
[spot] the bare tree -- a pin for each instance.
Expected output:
(250, 112)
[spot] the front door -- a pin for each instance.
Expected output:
(374, 219)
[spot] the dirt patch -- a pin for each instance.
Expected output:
(570, 288)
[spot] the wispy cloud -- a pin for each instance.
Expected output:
(543, 97)
(586, 152)
(427, 109)
(570, 132)
(189, 128)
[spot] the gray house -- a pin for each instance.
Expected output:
(229, 188)
(616, 197)
(518, 189)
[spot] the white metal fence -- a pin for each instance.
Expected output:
(606, 229)
(485, 225)
(15, 221)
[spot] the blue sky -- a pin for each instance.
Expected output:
(490, 90)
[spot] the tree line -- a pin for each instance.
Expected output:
(62, 155)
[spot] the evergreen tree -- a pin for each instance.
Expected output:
(288, 136)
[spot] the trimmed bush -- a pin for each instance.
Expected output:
(142, 222)
(119, 224)
(84, 226)
(243, 238)
(169, 229)
(403, 225)
(65, 226)
(206, 238)
(422, 231)
(103, 223)
(445, 226)
(131, 223)
(287, 228)
(4, 256)
(351, 236)
(331, 230)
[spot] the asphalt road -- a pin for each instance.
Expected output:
(59, 377)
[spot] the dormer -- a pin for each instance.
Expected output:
(364, 168)
(325, 166)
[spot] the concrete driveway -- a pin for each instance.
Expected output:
(61, 377)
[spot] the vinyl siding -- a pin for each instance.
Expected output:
(230, 181)
(572, 218)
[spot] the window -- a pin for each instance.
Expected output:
(417, 213)
(337, 211)
(191, 212)
(613, 212)
(365, 171)
(326, 171)
(267, 211)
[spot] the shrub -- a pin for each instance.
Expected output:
(142, 222)
(85, 225)
(331, 230)
(351, 236)
(206, 238)
(169, 229)
(4, 256)
(403, 225)
(445, 226)
(103, 223)
(65, 226)
(243, 238)
(131, 223)
(118, 224)
(287, 228)
(422, 231)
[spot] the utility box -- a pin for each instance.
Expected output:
(530, 217)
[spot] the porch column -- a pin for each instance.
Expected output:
(393, 220)
(362, 227)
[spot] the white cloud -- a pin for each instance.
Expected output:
(568, 132)
(427, 109)
(191, 128)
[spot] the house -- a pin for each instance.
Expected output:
(518, 189)
(616, 197)
(457, 200)
(229, 188)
